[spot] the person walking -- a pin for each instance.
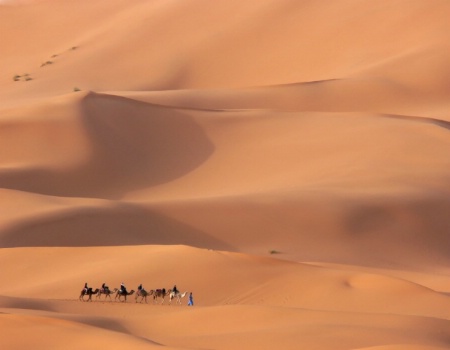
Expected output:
(191, 300)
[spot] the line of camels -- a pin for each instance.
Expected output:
(142, 294)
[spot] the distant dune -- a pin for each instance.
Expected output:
(287, 162)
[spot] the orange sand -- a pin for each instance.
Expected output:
(287, 162)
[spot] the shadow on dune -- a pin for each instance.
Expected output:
(105, 323)
(50, 311)
(414, 232)
(25, 303)
(117, 226)
(438, 122)
(133, 145)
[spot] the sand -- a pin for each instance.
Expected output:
(286, 162)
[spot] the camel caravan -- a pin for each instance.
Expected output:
(121, 294)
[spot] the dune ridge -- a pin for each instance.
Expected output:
(284, 161)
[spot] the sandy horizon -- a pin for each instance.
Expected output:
(286, 162)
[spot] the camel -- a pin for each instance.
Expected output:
(143, 294)
(119, 294)
(177, 295)
(89, 292)
(160, 293)
(106, 292)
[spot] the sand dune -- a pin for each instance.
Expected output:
(114, 155)
(157, 266)
(285, 161)
(63, 333)
(294, 301)
(161, 48)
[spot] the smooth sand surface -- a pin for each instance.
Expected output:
(287, 162)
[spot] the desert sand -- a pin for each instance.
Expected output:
(286, 162)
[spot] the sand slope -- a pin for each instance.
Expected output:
(286, 161)
(283, 300)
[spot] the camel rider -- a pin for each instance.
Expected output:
(175, 290)
(86, 288)
(139, 289)
(123, 289)
(105, 287)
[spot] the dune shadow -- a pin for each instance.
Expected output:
(414, 231)
(25, 303)
(434, 121)
(105, 323)
(368, 218)
(133, 145)
(51, 312)
(117, 226)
